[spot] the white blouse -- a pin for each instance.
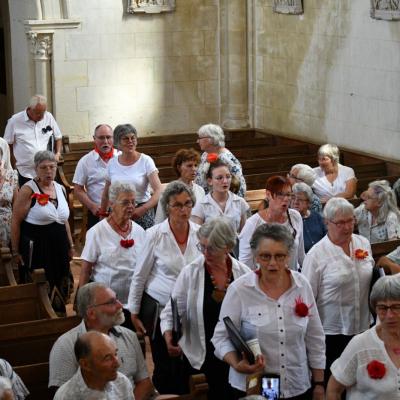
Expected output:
(113, 264)
(189, 294)
(235, 209)
(323, 188)
(350, 369)
(290, 344)
(340, 284)
(160, 263)
(297, 254)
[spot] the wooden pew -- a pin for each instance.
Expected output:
(8, 274)
(36, 379)
(198, 389)
(384, 248)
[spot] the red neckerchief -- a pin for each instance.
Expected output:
(104, 156)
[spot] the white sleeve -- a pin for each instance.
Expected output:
(56, 128)
(80, 175)
(392, 226)
(245, 252)
(150, 166)
(160, 216)
(312, 272)
(244, 207)
(91, 251)
(9, 133)
(347, 173)
(198, 211)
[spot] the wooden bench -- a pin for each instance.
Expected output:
(8, 273)
(384, 248)
(198, 389)
(36, 379)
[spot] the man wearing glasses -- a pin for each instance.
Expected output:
(90, 174)
(101, 311)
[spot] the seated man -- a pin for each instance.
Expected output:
(97, 376)
(391, 262)
(101, 311)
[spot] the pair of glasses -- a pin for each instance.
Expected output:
(47, 167)
(128, 139)
(222, 177)
(126, 203)
(383, 309)
(279, 258)
(283, 195)
(342, 224)
(294, 198)
(202, 248)
(180, 206)
(111, 302)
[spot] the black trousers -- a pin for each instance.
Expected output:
(237, 394)
(22, 180)
(91, 220)
(335, 344)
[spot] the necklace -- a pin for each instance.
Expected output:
(181, 242)
(218, 294)
(123, 231)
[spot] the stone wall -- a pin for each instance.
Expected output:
(331, 75)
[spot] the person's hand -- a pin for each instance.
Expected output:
(95, 209)
(173, 351)
(318, 393)
(71, 252)
(138, 212)
(244, 367)
(17, 259)
(138, 324)
(57, 156)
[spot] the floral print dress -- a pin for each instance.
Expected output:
(7, 188)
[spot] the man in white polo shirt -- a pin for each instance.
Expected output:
(91, 171)
(30, 131)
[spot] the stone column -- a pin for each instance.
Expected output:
(234, 76)
(42, 47)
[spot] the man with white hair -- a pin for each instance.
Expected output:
(30, 131)
(101, 311)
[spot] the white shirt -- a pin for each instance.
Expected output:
(189, 294)
(350, 369)
(63, 364)
(160, 263)
(235, 209)
(340, 284)
(6, 153)
(47, 214)
(296, 255)
(198, 192)
(290, 344)
(113, 264)
(27, 138)
(91, 172)
(137, 173)
(323, 188)
(76, 389)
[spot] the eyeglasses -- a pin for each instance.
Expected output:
(111, 302)
(300, 200)
(295, 177)
(128, 139)
(47, 167)
(383, 309)
(103, 138)
(222, 177)
(282, 195)
(342, 224)
(126, 203)
(180, 206)
(202, 248)
(279, 258)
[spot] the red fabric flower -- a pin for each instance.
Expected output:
(212, 157)
(126, 243)
(41, 198)
(301, 309)
(360, 254)
(376, 369)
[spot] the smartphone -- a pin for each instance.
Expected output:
(270, 386)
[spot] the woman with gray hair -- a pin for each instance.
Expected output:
(113, 246)
(378, 218)
(339, 269)
(276, 306)
(369, 366)
(314, 228)
(168, 247)
(212, 142)
(137, 168)
(333, 179)
(198, 293)
(40, 233)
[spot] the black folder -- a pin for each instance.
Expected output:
(176, 322)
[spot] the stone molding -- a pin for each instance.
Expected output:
(387, 10)
(288, 6)
(51, 24)
(41, 44)
(150, 6)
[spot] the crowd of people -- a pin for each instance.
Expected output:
(173, 262)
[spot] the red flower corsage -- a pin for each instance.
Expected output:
(376, 369)
(41, 198)
(360, 254)
(212, 157)
(126, 243)
(301, 309)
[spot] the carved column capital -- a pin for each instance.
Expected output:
(41, 45)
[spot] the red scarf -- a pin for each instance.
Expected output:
(104, 156)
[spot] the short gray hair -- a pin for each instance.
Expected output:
(305, 173)
(386, 198)
(302, 187)
(337, 205)
(220, 233)
(118, 187)
(100, 126)
(122, 130)
(331, 151)
(385, 288)
(214, 132)
(86, 296)
(37, 99)
(43, 155)
(174, 188)
(277, 232)
(5, 386)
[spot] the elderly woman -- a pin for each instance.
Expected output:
(314, 228)
(333, 179)
(40, 233)
(185, 165)
(279, 194)
(220, 201)
(378, 218)
(137, 168)
(303, 173)
(275, 305)
(369, 366)
(169, 246)
(113, 246)
(212, 141)
(199, 291)
(339, 269)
